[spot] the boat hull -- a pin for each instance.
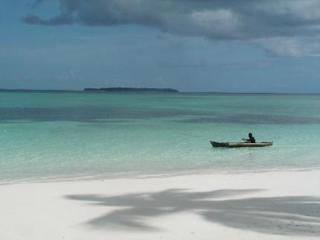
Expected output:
(240, 144)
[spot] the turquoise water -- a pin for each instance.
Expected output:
(52, 134)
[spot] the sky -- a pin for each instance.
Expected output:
(190, 45)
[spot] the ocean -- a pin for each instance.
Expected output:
(53, 135)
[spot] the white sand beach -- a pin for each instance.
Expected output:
(273, 205)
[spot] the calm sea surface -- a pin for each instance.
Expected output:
(44, 135)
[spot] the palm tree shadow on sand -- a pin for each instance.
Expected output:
(291, 215)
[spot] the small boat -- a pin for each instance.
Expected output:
(240, 144)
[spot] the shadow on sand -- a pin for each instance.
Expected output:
(294, 215)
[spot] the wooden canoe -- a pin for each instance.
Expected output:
(240, 144)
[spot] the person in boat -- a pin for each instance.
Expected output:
(251, 139)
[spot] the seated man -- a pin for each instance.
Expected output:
(251, 139)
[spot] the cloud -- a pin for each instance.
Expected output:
(214, 19)
(293, 47)
(35, 20)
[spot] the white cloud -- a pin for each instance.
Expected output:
(285, 26)
(222, 21)
(294, 47)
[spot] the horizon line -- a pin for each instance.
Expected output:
(179, 91)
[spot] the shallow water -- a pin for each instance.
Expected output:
(55, 134)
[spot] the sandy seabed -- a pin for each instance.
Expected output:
(273, 205)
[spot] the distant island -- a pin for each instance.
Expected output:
(125, 89)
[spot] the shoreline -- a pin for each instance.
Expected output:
(139, 175)
(269, 205)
